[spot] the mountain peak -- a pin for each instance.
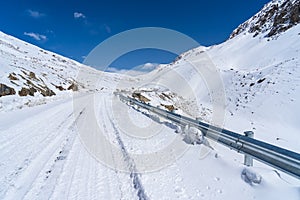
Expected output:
(274, 18)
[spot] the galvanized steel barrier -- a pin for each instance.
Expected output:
(277, 157)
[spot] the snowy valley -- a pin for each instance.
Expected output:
(49, 103)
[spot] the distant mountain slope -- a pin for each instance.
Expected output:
(261, 80)
(29, 70)
(30, 75)
(275, 18)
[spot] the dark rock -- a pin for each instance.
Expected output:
(6, 90)
(162, 97)
(139, 96)
(59, 87)
(47, 92)
(25, 91)
(73, 87)
(32, 76)
(12, 77)
(169, 107)
(32, 91)
(261, 80)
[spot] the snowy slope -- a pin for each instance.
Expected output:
(36, 75)
(17, 56)
(44, 156)
(263, 84)
(261, 79)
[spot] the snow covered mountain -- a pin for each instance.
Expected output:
(259, 67)
(27, 67)
(276, 17)
(42, 154)
(261, 77)
(30, 75)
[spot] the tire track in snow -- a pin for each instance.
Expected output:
(136, 181)
(24, 140)
(117, 176)
(65, 181)
(17, 161)
(33, 122)
(25, 181)
(81, 178)
(74, 185)
(137, 184)
(174, 176)
(46, 182)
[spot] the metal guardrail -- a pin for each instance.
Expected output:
(277, 157)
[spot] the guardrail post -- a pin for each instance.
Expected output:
(248, 160)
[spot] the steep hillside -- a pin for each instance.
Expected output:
(30, 75)
(261, 81)
(259, 92)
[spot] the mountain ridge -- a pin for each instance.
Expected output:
(274, 18)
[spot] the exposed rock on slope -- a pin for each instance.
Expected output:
(27, 70)
(140, 97)
(73, 87)
(275, 18)
(5, 90)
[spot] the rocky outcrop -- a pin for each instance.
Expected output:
(139, 96)
(288, 15)
(32, 76)
(12, 77)
(60, 87)
(31, 84)
(169, 107)
(275, 18)
(73, 87)
(46, 92)
(25, 91)
(6, 90)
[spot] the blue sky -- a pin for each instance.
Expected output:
(74, 28)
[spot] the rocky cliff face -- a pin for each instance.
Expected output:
(275, 18)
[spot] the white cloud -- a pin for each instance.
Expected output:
(139, 70)
(78, 15)
(124, 71)
(149, 66)
(35, 14)
(36, 36)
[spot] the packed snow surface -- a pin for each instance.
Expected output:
(43, 155)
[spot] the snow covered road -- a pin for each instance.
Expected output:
(42, 156)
